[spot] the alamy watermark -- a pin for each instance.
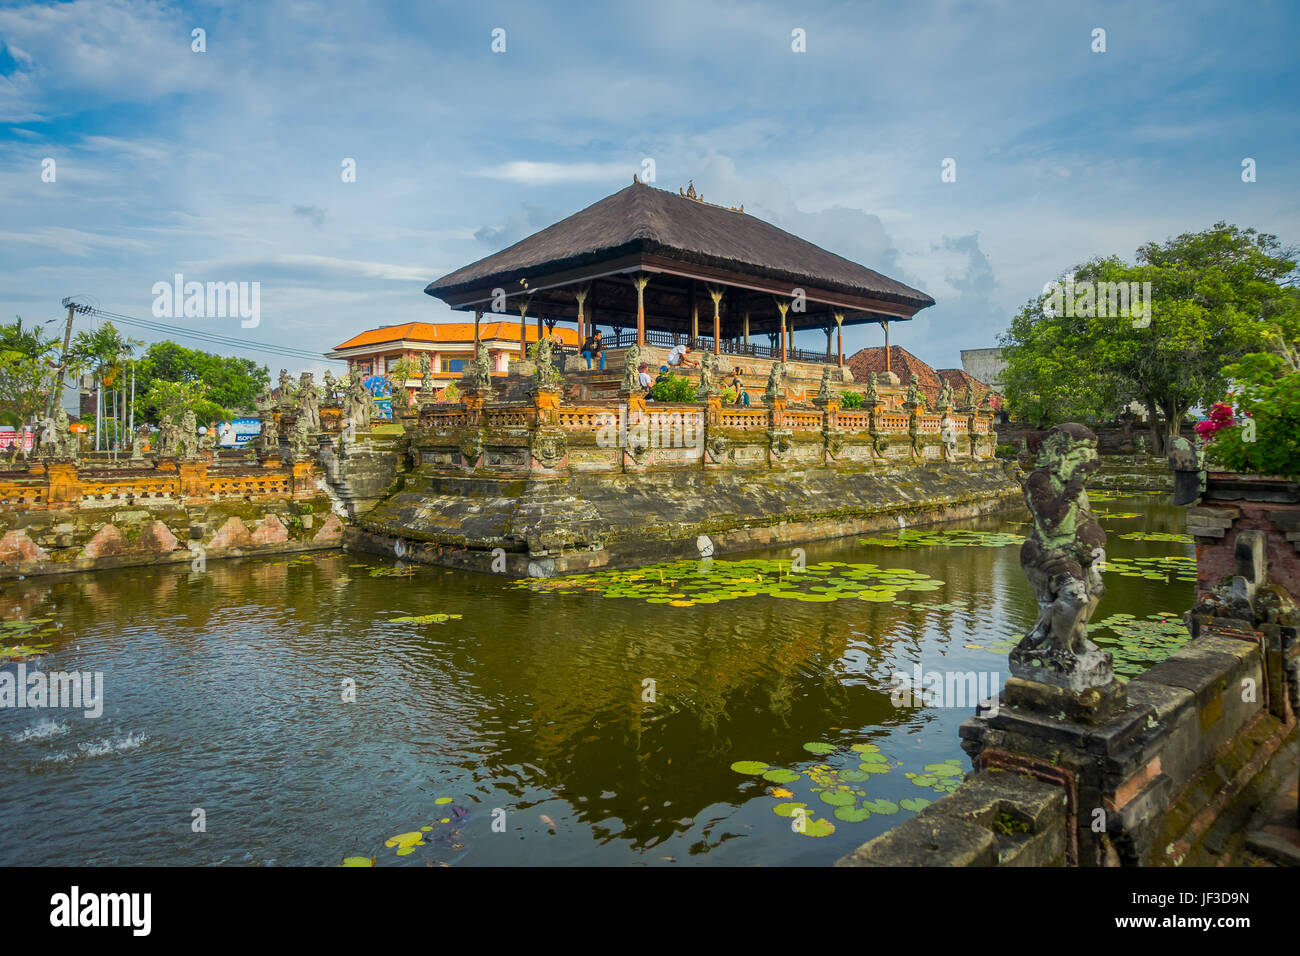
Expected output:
(643, 430)
(210, 300)
(37, 689)
(962, 689)
(1086, 299)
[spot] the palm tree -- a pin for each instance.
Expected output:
(106, 355)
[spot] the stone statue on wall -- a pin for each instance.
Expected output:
(915, 397)
(1062, 558)
(54, 439)
(775, 379)
(707, 389)
(168, 438)
(357, 404)
(331, 387)
(631, 384)
(948, 436)
(968, 400)
(300, 443)
(286, 388)
(478, 376)
(189, 435)
(426, 377)
(140, 438)
(825, 393)
(944, 401)
(308, 402)
(870, 396)
(546, 377)
(268, 441)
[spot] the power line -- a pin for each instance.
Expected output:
(214, 338)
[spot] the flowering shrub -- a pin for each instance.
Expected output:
(850, 400)
(1262, 434)
(1220, 417)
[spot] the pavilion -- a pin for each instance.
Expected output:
(650, 262)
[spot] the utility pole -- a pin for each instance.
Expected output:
(57, 390)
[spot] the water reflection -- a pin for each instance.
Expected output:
(616, 718)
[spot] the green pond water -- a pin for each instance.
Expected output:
(732, 711)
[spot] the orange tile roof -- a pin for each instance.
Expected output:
(903, 363)
(451, 333)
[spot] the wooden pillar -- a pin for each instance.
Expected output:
(746, 329)
(640, 283)
(478, 315)
(839, 327)
(523, 328)
(695, 314)
(581, 293)
(539, 326)
(829, 342)
(715, 293)
(783, 308)
(885, 326)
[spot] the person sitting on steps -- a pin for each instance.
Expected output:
(592, 347)
(679, 355)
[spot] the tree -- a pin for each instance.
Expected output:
(176, 398)
(25, 372)
(23, 385)
(1216, 296)
(106, 355)
(231, 383)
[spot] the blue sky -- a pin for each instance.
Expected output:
(225, 165)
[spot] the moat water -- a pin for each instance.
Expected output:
(620, 719)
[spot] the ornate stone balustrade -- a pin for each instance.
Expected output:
(548, 435)
(63, 484)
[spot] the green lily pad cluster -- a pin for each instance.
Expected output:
(942, 777)
(688, 583)
(1137, 643)
(931, 606)
(404, 844)
(1001, 646)
(961, 538)
(1159, 568)
(1110, 494)
(1157, 536)
(843, 786)
(26, 633)
(1102, 513)
(425, 619)
(393, 572)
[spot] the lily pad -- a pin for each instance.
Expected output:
(788, 809)
(817, 827)
(819, 748)
(780, 775)
(837, 798)
(749, 766)
(852, 814)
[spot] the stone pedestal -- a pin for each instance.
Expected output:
(1098, 746)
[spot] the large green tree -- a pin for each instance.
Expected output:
(25, 372)
(1216, 295)
(231, 383)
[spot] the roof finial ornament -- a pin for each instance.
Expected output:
(690, 193)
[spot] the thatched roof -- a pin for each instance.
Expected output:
(642, 219)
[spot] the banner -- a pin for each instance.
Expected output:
(238, 432)
(10, 438)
